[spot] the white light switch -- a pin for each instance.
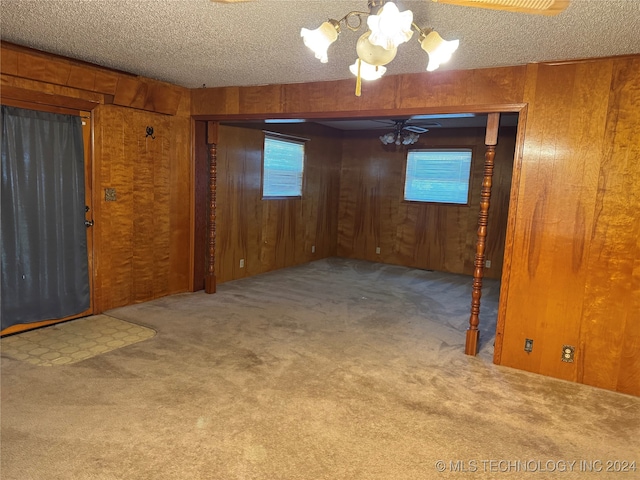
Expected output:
(242, 263)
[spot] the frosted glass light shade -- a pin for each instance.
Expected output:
(390, 27)
(439, 50)
(388, 138)
(399, 138)
(410, 138)
(373, 54)
(367, 71)
(320, 39)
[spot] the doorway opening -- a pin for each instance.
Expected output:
(368, 161)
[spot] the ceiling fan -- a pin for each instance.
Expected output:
(403, 133)
(534, 7)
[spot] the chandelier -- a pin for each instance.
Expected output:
(403, 134)
(388, 28)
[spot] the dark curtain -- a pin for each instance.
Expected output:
(45, 272)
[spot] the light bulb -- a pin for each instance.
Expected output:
(367, 71)
(390, 27)
(321, 38)
(439, 50)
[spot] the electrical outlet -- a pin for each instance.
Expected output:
(242, 263)
(528, 345)
(313, 249)
(567, 353)
(487, 263)
(377, 250)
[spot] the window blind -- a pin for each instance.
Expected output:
(283, 168)
(440, 176)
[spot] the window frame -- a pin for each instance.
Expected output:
(281, 137)
(470, 148)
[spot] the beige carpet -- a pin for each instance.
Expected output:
(338, 369)
(73, 341)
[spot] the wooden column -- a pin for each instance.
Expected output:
(212, 142)
(491, 140)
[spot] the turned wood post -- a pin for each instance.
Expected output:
(491, 140)
(212, 142)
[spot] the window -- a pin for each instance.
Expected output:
(440, 176)
(283, 167)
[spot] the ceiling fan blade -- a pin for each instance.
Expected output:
(535, 7)
(416, 129)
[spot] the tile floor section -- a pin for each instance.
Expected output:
(73, 341)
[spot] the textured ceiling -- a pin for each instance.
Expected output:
(197, 42)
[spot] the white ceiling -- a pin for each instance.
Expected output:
(197, 42)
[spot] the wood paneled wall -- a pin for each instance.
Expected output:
(141, 247)
(373, 212)
(575, 261)
(34, 75)
(271, 234)
(142, 238)
(610, 327)
(571, 256)
(393, 94)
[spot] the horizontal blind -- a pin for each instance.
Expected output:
(283, 168)
(440, 176)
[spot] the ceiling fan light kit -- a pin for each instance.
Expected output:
(403, 134)
(388, 28)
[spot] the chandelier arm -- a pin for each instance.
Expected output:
(346, 21)
(423, 32)
(349, 15)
